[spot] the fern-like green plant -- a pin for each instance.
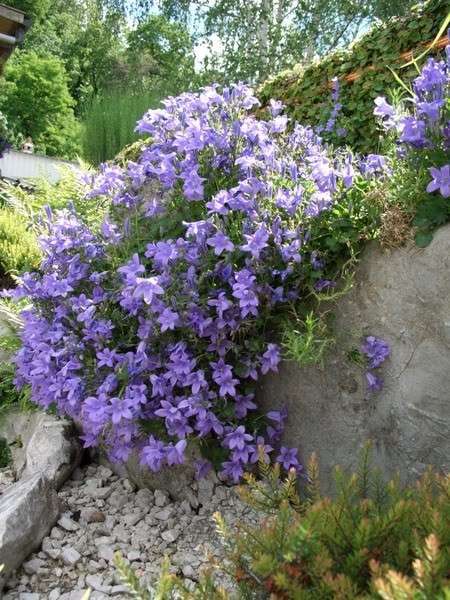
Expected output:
(18, 246)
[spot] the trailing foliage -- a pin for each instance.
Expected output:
(159, 321)
(219, 226)
(306, 91)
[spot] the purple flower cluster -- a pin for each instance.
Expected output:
(330, 125)
(427, 127)
(376, 352)
(150, 331)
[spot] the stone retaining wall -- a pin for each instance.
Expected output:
(402, 296)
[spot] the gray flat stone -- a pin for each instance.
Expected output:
(49, 445)
(70, 556)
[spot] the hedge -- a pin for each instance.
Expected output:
(363, 73)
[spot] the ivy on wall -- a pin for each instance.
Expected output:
(364, 73)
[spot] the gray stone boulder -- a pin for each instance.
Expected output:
(28, 510)
(401, 296)
(41, 443)
(174, 480)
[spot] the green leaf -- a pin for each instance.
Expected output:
(423, 238)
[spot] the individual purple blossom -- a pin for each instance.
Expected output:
(376, 350)
(413, 132)
(119, 410)
(270, 359)
(288, 458)
(168, 319)
(97, 409)
(317, 262)
(244, 404)
(440, 181)
(348, 172)
(374, 382)
(147, 288)
(202, 468)
(431, 110)
(260, 450)
(106, 358)
(383, 108)
(318, 203)
(175, 453)
(218, 204)
(132, 269)
(237, 439)
(275, 107)
(193, 185)
(432, 76)
(220, 242)
(256, 242)
(323, 285)
(197, 381)
(374, 164)
(153, 454)
(233, 470)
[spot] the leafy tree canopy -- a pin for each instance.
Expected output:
(35, 98)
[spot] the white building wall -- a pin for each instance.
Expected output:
(19, 166)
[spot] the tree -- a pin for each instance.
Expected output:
(87, 35)
(33, 9)
(160, 52)
(260, 37)
(35, 99)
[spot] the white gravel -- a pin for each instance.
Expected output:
(104, 514)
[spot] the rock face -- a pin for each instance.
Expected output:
(41, 443)
(28, 510)
(402, 297)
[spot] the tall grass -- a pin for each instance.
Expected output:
(109, 122)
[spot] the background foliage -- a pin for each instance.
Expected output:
(306, 91)
(35, 98)
(111, 51)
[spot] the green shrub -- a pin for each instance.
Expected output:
(317, 547)
(35, 98)
(18, 247)
(306, 92)
(373, 540)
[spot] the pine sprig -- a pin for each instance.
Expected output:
(130, 579)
